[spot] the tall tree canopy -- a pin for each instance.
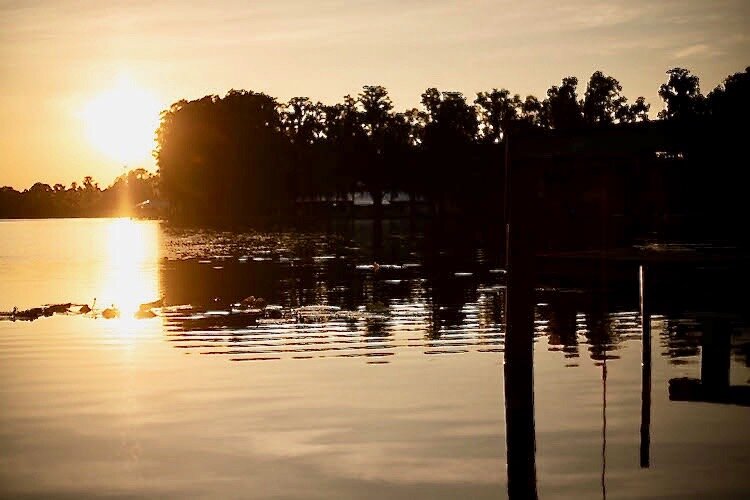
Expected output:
(497, 109)
(450, 120)
(681, 95)
(603, 103)
(730, 101)
(221, 156)
(563, 108)
(246, 154)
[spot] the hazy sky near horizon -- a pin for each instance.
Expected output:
(58, 55)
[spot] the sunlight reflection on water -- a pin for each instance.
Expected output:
(130, 276)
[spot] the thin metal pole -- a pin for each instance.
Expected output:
(604, 428)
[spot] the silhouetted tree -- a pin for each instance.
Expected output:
(302, 120)
(245, 155)
(636, 112)
(726, 114)
(377, 120)
(730, 101)
(534, 113)
(43, 200)
(303, 123)
(602, 102)
(451, 127)
(345, 141)
(497, 108)
(451, 122)
(221, 159)
(682, 96)
(563, 108)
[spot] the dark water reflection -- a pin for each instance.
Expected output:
(350, 299)
(378, 373)
(336, 299)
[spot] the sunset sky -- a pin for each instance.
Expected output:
(65, 63)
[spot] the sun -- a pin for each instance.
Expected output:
(120, 122)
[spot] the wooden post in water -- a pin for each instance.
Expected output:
(715, 356)
(519, 330)
(645, 371)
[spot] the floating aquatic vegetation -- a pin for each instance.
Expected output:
(315, 313)
(110, 313)
(389, 266)
(68, 308)
(141, 314)
(25, 315)
(318, 308)
(276, 321)
(319, 258)
(252, 302)
(150, 305)
(212, 320)
(35, 312)
(378, 267)
(58, 308)
(348, 315)
(376, 307)
(274, 312)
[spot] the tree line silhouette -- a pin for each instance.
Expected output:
(246, 155)
(86, 199)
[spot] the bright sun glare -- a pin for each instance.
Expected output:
(129, 277)
(120, 122)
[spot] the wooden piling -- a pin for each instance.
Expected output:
(645, 371)
(519, 331)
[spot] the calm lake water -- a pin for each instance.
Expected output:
(375, 381)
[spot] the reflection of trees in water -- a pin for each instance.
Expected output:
(447, 292)
(376, 327)
(599, 307)
(446, 305)
(563, 315)
(741, 353)
(432, 299)
(562, 323)
(600, 336)
(680, 338)
(490, 308)
(606, 323)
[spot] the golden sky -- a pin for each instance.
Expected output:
(63, 61)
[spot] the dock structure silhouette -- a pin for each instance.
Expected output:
(577, 202)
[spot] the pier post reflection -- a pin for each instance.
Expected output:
(715, 355)
(519, 420)
(645, 371)
(713, 386)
